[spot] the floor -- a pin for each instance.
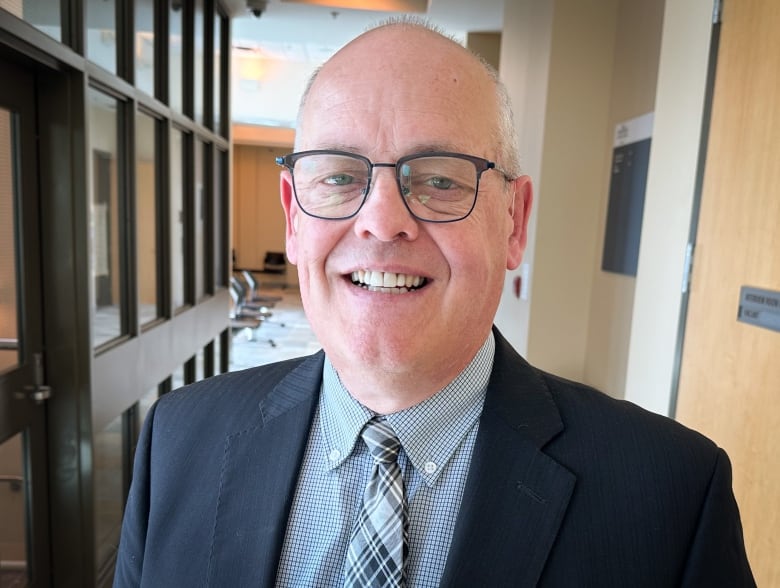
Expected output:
(11, 579)
(284, 335)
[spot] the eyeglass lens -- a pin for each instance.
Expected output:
(436, 188)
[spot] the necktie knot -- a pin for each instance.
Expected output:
(381, 441)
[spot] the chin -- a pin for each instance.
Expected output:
(388, 354)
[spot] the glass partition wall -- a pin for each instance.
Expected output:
(136, 254)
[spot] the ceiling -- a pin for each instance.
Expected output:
(274, 55)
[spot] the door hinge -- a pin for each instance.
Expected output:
(717, 11)
(37, 391)
(687, 268)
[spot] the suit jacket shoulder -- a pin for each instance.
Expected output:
(243, 392)
(569, 486)
(214, 474)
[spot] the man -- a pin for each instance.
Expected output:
(405, 206)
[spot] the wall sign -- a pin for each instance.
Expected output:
(630, 157)
(759, 307)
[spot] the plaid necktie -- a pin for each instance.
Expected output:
(379, 540)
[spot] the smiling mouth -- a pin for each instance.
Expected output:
(387, 282)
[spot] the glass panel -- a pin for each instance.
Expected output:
(145, 405)
(190, 371)
(209, 363)
(220, 206)
(44, 16)
(106, 209)
(9, 322)
(200, 364)
(218, 74)
(144, 45)
(149, 307)
(175, 55)
(13, 506)
(142, 408)
(177, 378)
(200, 223)
(199, 61)
(178, 243)
(218, 355)
(109, 467)
(101, 33)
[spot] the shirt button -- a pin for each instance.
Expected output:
(430, 467)
(334, 455)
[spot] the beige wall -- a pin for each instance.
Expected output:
(574, 70)
(572, 148)
(566, 66)
(668, 203)
(634, 75)
(576, 140)
(525, 46)
(487, 45)
(258, 218)
(146, 209)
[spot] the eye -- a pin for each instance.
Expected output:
(440, 182)
(339, 180)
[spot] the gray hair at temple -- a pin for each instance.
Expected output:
(508, 152)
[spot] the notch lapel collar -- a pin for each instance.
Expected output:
(515, 496)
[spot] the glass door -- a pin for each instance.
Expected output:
(24, 539)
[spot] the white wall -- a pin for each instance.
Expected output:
(668, 202)
(563, 116)
(525, 62)
(564, 65)
(634, 78)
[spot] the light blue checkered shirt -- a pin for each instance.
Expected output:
(437, 437)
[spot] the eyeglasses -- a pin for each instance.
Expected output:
(437, 187)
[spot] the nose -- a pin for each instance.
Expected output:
(384, 214)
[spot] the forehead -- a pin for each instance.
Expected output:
(391, 90)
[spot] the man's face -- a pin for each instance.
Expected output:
(385, 97)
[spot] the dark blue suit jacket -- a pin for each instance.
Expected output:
(567, 487)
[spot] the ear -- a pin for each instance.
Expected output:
(291, 213)
(520, 211)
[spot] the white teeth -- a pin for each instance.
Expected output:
(376, 279)
(387, 282)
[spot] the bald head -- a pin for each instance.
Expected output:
(415, 62)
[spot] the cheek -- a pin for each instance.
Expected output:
(314, 241)
(483, 247)
(471, 260)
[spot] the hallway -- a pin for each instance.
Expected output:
(286, 334)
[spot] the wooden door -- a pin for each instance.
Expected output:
(729, 385)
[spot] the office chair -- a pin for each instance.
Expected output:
(253, 291)
(245, 316)
(274, 262)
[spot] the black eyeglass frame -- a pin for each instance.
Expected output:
(481, 165)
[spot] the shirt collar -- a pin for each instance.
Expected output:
(428, 444)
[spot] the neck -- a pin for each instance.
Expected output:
(386, 390)
(387, 393)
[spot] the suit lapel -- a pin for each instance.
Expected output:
(251, 519)
(515, 496)
(513, 504)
